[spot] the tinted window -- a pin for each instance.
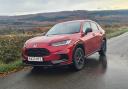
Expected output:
(94, 27)
(65, 28)
(85, 26)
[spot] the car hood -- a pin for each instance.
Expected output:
(51, 39)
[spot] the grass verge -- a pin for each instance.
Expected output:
(116, 33)
(12, 67)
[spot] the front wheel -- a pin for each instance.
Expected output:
(78, 59)
(103, 49)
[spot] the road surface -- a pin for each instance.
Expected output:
(109, 72)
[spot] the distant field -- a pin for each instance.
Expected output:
(10, 46)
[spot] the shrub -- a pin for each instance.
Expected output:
(10, 47)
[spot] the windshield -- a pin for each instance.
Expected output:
(65, 28)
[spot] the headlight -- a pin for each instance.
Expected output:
(65, 42)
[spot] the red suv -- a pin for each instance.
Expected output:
(67, 43)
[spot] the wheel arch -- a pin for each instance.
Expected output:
(81, 45)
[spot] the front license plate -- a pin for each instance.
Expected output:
(39, 59)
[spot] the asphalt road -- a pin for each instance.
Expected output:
(109, 72)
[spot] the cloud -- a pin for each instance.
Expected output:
(12, 7)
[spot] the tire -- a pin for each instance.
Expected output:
(103, 49)
(78, 59)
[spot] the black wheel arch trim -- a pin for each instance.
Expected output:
(78, 44)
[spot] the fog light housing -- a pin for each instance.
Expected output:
(63, 56)
(57, 61)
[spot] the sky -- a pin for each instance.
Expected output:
(21, 7)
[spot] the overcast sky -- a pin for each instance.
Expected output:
(20, 7)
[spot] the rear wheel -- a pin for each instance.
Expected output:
(78, 59)
(103, 49)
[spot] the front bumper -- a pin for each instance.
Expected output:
(45, 63)
(57, 57)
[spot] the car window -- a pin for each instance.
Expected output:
(65, 28)
(86, 25)
(94, 27)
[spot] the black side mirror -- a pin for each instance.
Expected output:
(88, 30)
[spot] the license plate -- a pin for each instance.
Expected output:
(40, 59)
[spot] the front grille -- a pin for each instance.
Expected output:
(37, 52)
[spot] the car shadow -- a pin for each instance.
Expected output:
(96, 66)
(63, 77)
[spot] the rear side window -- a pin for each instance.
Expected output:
(86, 25)
(100, 28)
(94, 27)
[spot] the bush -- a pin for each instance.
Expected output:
(10, 47)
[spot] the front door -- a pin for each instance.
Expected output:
(88, 39)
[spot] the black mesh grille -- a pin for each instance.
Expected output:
(37, 52)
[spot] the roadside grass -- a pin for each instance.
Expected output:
(11, 67)
(116, 32)
(10, 49)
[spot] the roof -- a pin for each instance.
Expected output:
(76, 21)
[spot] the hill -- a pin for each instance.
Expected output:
(43, 19)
